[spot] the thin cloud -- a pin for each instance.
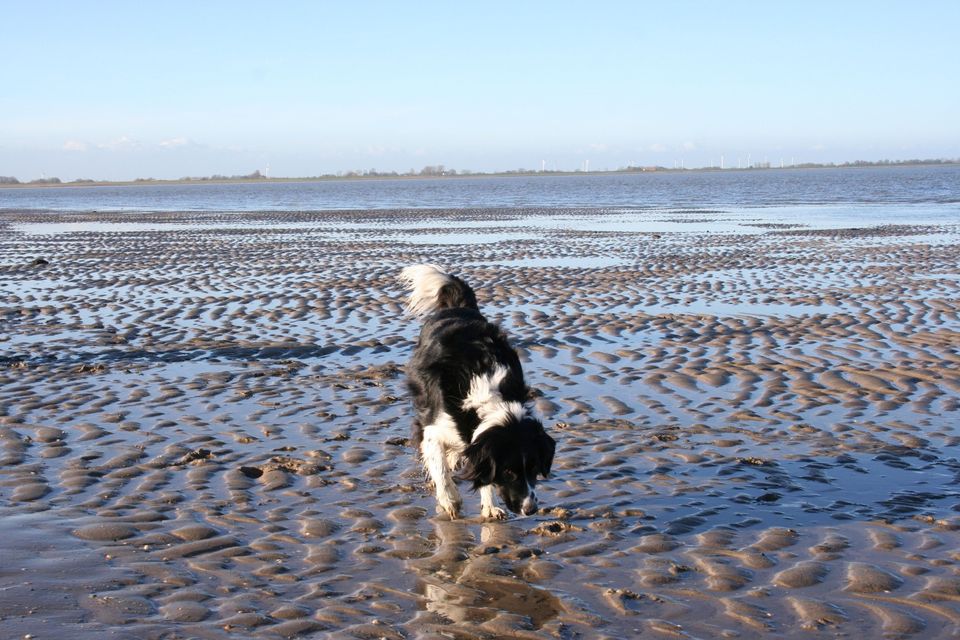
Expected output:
(123, 143)
(173, 143)
(75, 145)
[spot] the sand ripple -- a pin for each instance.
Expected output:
(204, 432)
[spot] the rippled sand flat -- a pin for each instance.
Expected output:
(203, 427)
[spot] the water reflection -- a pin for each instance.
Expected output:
(469, 581)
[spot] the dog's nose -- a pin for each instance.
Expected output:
(529, 505)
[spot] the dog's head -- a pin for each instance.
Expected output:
(511, 457)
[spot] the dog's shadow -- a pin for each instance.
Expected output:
(472, 579)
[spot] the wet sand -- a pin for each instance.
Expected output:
(203, 428)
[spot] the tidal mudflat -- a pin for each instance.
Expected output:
(203, 426)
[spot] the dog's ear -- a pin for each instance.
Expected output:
(480, 466)
(545, 449)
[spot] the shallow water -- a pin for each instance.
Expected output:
(938, 184)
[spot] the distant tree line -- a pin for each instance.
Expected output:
(430, 170)
(443, 171)
(13, 180)
(256, 175)
(877, 163)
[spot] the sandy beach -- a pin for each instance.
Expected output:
(204, 427)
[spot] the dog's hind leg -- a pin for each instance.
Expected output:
(434, 453)
(488, 505)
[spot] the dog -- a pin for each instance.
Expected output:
(472, 406)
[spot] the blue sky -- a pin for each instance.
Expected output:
(120, 90)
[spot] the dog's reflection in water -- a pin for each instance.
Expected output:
(468, 581)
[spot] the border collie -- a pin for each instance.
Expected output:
(472, 405)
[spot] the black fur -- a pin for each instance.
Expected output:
(456, 295)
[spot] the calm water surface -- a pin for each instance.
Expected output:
(773, 188)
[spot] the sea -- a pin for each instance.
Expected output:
(922, 190)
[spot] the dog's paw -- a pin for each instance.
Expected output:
(450, 509)
(493, 513)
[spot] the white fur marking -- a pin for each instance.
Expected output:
(499, 417)
(441, 443)
(530, 502)
(485, 390)
(488, 506)
(424, 282)
(484, 398)
(486, 497)
(529, 506)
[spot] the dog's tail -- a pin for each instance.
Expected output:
(432, 289)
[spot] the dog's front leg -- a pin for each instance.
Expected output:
(488, 507)
(434, 457)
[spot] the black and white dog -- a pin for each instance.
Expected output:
(472, 405)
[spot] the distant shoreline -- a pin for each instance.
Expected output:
(455, 175)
